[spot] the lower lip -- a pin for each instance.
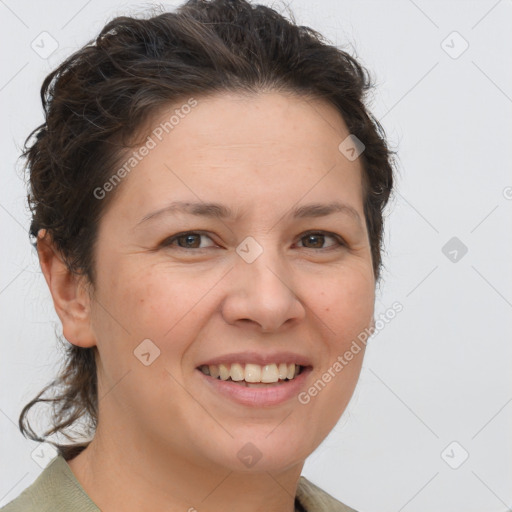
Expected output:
(258, 397)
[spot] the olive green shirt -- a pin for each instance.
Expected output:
(56, 489)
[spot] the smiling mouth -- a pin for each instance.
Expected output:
(253, 375)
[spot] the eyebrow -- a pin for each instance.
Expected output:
(220, 211)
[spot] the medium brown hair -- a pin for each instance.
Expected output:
(98, 98)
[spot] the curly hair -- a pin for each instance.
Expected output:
(96, 101)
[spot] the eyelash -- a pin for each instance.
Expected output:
(339, 241)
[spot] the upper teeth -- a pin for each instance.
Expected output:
(252, 372)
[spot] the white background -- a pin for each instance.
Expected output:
(440, 371)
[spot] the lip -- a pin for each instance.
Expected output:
(258, 397)
(259, 358)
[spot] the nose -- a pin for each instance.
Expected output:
(262, 294)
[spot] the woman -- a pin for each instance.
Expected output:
(207, 193)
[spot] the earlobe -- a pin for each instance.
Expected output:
(70, 297)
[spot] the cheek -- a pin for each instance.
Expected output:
(345, 304)
(154, 301)
(345, 308)
(140, 304)
(158, 302)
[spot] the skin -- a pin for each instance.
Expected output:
(164, 440)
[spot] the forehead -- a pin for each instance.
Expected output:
(267, 149)
(241, 124)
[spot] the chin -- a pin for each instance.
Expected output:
(248, 454)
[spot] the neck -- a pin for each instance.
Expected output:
(131, 475)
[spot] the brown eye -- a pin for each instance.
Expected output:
(187, 240)
(316, 240)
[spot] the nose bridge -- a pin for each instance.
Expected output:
(269, 272)
(264, 265)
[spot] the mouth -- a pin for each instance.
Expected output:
(253, 375)
(253, 385)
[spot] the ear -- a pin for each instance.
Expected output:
(69, 292)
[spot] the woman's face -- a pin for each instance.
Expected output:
(251, 287)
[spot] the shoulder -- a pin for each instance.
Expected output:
(315, 499)
(54, 490)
